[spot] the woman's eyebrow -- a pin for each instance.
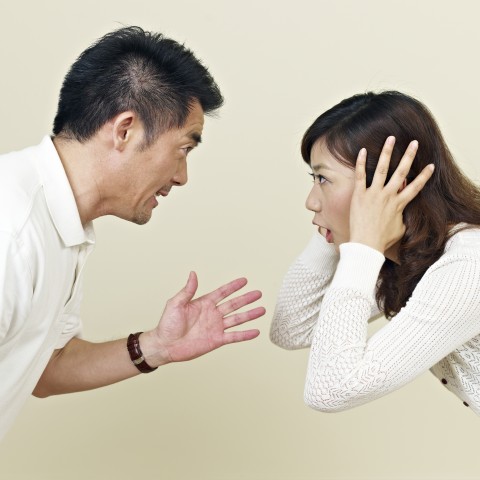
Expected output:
(320, 166)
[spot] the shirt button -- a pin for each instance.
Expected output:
(466, 404)
(444, 381)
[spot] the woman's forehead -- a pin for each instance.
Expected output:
(321, 159)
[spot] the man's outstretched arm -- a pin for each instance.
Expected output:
(187, 329)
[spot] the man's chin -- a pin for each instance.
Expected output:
(142, 218)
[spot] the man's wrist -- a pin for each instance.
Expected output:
(136, 354)
(154, 352)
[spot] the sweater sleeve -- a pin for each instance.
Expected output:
(347, 369)
(301, 294)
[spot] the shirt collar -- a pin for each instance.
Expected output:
(59, 197)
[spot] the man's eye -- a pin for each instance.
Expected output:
(187, 150)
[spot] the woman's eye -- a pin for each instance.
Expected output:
(187, 150)
(321, 179)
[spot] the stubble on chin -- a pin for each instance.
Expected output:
(141, 218)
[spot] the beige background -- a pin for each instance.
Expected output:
(238, 413)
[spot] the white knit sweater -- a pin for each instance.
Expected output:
(327, 299)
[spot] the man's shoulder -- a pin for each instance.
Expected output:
(19, 165)
(19, 183)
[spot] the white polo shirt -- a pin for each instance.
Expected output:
(43, 248)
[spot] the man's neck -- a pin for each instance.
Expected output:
(78, 160)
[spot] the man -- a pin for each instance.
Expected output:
(131, 109)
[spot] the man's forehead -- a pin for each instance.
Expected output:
(194, 123)
(196, 114)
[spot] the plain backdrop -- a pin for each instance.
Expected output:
(238, 413)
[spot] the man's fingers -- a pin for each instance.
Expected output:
(381, 171)
(226, 290)
(239, 318)
(239, 302)
(235, 337)
(186, 294)
(415, 187)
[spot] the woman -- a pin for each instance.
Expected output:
(398, 236)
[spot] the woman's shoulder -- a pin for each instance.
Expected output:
(465, 239)
(460, 262)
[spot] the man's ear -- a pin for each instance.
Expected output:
(125, 125)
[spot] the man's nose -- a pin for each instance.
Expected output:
(181, 176)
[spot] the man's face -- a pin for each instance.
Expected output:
(151, 172)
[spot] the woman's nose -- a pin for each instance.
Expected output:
(313, 201)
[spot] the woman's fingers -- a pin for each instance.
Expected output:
(360, 175)
(415, 187)
(381, 171)
(401, 172)
(397, 182)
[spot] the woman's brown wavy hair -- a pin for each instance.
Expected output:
(448, 198)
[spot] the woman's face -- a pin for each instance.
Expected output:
(331, 194)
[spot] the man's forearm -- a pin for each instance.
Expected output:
(83, 365)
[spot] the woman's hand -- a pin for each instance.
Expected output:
(376, 213)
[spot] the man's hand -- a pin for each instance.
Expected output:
(190, 328)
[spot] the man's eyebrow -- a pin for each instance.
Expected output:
(196, 137)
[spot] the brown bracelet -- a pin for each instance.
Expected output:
(136, 354)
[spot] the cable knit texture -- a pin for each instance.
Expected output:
(327, 300)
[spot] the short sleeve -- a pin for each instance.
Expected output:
(16, 287)
(71, 318)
